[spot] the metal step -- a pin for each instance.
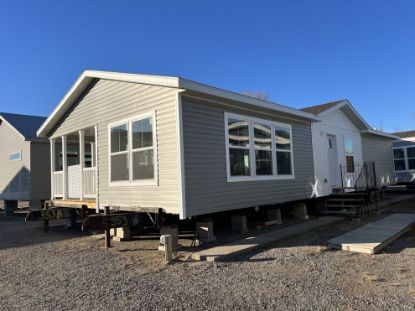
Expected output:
(346, 199)
(339, 213)
(342, 205)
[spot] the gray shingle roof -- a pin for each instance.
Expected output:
(24, 124)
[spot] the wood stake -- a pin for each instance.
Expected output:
(107, 231)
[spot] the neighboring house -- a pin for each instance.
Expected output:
(24, 160)
(346, 149)
(404, 157)
(140, 142)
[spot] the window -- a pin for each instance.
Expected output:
(410, 151)
(257, 149)
(349, 150)
(283, 147)
(132, 151)
(399, 159)
(239, 147)
(15, 156)
(263, 149)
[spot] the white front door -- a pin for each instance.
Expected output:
(333, 159)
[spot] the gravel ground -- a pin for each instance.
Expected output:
(68, 270)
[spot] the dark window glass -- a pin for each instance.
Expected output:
(282, 137)
(350, 164)
(398, 153)
(400, 165)
(263, 160)
(142, 133)
(119, 138)
(119, 167)
(143, 165)
(239, 162)
(238, 133)
(411, 164)
(262, 136)
(411, 152)
(284, 163)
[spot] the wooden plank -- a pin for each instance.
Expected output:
(90, 204)
(106, 222)
(259, 240)
(373, 237)
(51, 213)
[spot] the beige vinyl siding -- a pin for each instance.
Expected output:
(109, 101)
(10, 142)
(40, 171)
(379, 150)
(207, 189)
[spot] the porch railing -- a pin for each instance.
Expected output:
(58, 184)
(74, 192)
(89, 182)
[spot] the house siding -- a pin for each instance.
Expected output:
(207, 189)
(10, 142)
(109, 101)
(338, 125)
(379, 150)
(40, 172)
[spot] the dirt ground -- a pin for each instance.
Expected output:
(70, 270)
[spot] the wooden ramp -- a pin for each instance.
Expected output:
(247, 244)
(373, 237)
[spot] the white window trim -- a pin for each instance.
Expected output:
(13, 153)
(130, 150)
(405, 158)
(253, 176)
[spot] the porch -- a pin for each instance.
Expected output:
(73, 166)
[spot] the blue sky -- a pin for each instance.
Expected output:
(300, 53)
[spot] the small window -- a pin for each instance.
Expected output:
(16, 156)
(399, 159)
(143, 153)
(350, 164)
(283, 147)
(263, 149)
(349, 150)
(410, 151)
(239, 158)
(119, 153)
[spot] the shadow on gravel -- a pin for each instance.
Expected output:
(15, 232)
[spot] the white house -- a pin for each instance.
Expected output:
(347, 150)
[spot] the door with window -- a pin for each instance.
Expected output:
(333, 160)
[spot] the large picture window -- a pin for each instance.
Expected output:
(404, 158)
(257, 149)
(132, 153)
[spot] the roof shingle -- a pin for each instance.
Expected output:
(24, 124)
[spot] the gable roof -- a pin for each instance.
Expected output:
(88, 76)
(347, 108)
(316, 110)
(405, 134)
(26, 126)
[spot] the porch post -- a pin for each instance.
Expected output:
(82, 161)
(96, 168)
(52, 167)
(65, 168)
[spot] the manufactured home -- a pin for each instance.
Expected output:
(404, 157)
(143, 143)
(24, 161)
(348, 153)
